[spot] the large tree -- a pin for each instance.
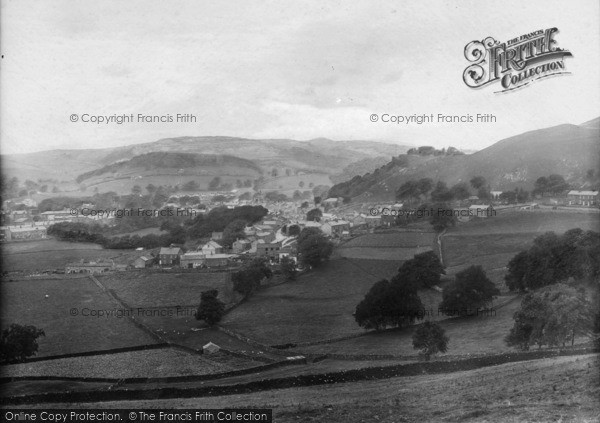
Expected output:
(232, 232)
(211, 309)
(422, 271)
(478, 182)
(314, 215)
(248, 279)
(430, 339)
(19, 342)
(313, 248)
(551, 316)
(441, 193)
(393, 304)
(470, 291)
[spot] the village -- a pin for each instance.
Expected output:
(272, 238)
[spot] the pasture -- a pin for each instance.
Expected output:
(388, 246)
(493, 242)
(319, 305)
(51, 254)
(468, 335)
(150, 363)
(68, 316)
(165, 289)
(551, 389)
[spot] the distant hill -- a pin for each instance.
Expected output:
(568, 150)
(275, 158)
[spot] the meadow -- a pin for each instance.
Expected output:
(51, 254)
(318, 305)
(149, 363)
(48, 304)
(165, 289)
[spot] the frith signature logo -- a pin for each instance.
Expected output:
(516, 62)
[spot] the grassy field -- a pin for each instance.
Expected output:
(144, 289)
(25, 303)
(389, 246)
(319, 305)
(395, 239)
(150, 363)
(50, 254)
(562, 389)
(540, 221)
(494, 241)
(381, 253)
(474, 335)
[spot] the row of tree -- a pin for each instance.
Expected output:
(396, 303)
(553, 258)
(552, 316)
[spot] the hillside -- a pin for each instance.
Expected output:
(274, 157)
(568, 150)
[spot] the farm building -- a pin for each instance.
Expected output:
(582, 198)
(266, 236)
(168, 256)
(93, 267)
(335, 228)
(217, 236)
(240, 245)
(210, 348)
(192, 260)
(143, 262)
(373, 221)
(24, 233)
(269, 250)
(212, 247)
(218, 260)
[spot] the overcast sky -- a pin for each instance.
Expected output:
(280, 69)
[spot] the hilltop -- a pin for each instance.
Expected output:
(568, 150)
(274, 158)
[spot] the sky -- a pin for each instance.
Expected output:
(279, 69)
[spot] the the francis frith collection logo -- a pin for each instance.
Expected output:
(516, 62)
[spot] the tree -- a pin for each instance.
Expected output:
(293, 230)
(442, 218)
(509, 196)
(313, 247)
(247, 280)
(314, 215)
(552, 316)
(424, 185)
(478, 182)
(470, 291)
(408, 191)
(19, 342)
(430, 339)
(422, 271)
(517, 269)
(232, 232)
(151, 188)
(288, 268)
(441, 193)
(460, 191)
(211, 309)
(388, 303)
